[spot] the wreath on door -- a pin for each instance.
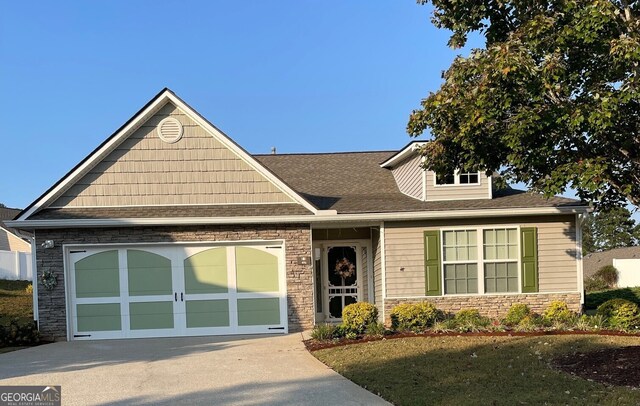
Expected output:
(344, 268)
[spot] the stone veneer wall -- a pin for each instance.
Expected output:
(488, 305)
(51, 304)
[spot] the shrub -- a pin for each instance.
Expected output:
(357, 316)
(593, 300)
(530, 322)
(608, 274)
(323, 331)
(592, 284)
(29, 289)
(620, 313)
(516, 314)
(471, 320)
(19, 333)
(558, 311)
(375, 330)
(444, 326)
(414, 316)
(339, 331)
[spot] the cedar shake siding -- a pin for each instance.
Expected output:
(144, 170)
(404, 248)
(51, 304)
(409, 177)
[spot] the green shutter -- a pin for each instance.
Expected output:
(432, 274)
(529, 259)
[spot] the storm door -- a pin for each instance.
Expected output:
(342, 275)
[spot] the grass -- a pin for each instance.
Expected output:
(15, 301)
(595, 299)
(476, 370)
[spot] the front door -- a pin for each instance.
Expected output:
(342, 273)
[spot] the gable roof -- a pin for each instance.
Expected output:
(127, 129)
(406, 151)
(596, 260)
(354, 182)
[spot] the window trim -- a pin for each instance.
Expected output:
(480, 260)
(456, 180)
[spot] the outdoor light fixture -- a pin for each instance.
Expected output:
(48, 244)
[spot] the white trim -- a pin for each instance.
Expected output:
(424, 182)
(402, 154)
(490, 183)
(579, 264)
(480, 260)
(134, 124)
(456, 180)
(337, 218)
(485, 295)
(383, 262)
(34, 279)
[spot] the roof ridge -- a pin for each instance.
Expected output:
(328, 153)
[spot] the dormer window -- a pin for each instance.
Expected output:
(458, 178)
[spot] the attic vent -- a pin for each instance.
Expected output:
(170, 130)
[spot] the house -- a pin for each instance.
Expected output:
(169, 228)
(625, 259)
(9, 240)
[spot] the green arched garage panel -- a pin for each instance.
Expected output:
(256, 270)
(149, 274)
(206, 272)
(98, 275)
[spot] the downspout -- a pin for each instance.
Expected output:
(34, 271)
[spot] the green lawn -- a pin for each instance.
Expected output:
(594, 299)
(476, 370)
(15, 301)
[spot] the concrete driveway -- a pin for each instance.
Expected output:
(248, 370)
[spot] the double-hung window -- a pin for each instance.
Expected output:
(491, 269)
(460, 261)
(500, 260)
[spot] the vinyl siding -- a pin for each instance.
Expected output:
(404, 248)
(408, 177)
(11, 242)
(377, 269)
(144, 170)
(456, 192)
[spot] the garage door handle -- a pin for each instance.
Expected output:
(175, 295)
(182, 296)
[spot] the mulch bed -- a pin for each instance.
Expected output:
(612, 366)
(314, 345)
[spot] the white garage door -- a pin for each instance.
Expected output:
(176, 290)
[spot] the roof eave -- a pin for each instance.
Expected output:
(313, 219)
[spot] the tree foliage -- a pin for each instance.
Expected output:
(552, 100)
(609, 229)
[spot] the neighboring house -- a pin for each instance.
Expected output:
(626, 260)
(9, 241)
(169, 228)
(596, 260)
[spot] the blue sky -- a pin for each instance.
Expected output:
(302, 76)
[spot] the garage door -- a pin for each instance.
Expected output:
(177, 290)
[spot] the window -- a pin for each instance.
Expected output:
(460, 251)
(500, 252)
(457, 178)
(491, 269)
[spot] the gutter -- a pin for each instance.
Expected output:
(306, 219)
(34, 272)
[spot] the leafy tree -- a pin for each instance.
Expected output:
(552, 100)
(609, 229)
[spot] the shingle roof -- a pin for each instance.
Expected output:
(171, 211)
(354, 182)
(594, 261)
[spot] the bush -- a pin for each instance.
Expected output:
(593, 300)
(530, 322)
(19, 334)
(357, 316)
(414, 316)
(323, 331)
(592, 284)
(471, 320)
(620, 314)
(558, 311)
(375, 330)
(516, 314)
(608, 274)
(29, 289)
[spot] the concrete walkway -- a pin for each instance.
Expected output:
(246, 370)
